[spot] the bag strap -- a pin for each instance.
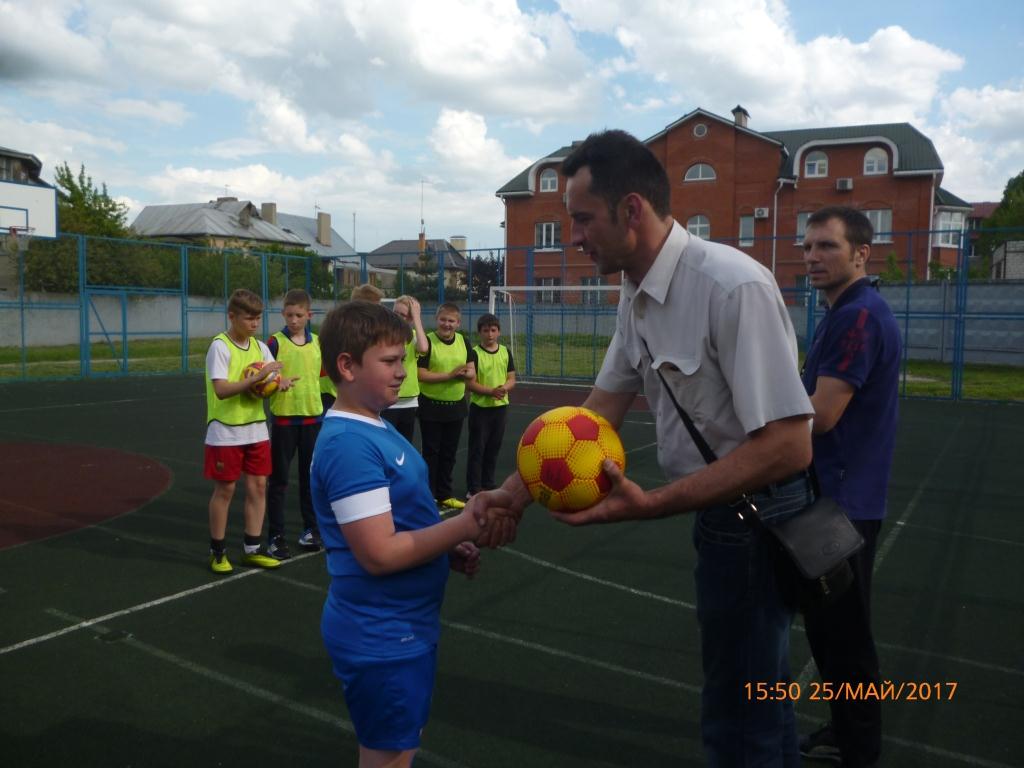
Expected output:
(695, 435)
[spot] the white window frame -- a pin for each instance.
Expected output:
(881, 222)
(699, 171)
(592, 297)
(546, 235)
(949, 220)
(700, 130)
(746, 234)
(801, 227)
(699, 226)
(547, 297)
(876, 162)
(816, 165)
(549, 180)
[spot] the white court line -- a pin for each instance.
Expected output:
(972, 536)
(220, 582)
(596, 580)
(894, 532)
(254, 691)
(648, 677)
(54, 406)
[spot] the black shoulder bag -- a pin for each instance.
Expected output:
(818, 540)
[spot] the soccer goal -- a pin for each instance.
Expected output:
(556, 332)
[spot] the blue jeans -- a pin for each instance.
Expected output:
(744, 621)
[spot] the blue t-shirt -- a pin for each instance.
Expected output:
(858, 341)
(357, 464)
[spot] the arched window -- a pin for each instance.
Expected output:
(876, 162)
(699, 172)
(549, 180)
(816, 164)
(700, 226)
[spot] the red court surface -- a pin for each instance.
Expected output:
(55, 488)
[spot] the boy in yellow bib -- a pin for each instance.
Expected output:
(488, 404)
(295, 422)
(443, 373)
(237, 441)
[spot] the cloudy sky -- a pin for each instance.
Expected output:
(367, 107)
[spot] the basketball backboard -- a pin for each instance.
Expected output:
(28, 205)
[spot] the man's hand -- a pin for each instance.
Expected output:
(494, 512)
(625, 501)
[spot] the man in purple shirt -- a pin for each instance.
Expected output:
(851, 374)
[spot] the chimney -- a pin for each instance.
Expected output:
(458, 243)
(740, 116)
(323, 229)
(268, 211)
(423, 243)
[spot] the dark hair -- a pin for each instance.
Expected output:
(487, 320)
(245, 302)
(619, 164)
(857, 227)
(297, 297)
(354, 327)
(448, 307)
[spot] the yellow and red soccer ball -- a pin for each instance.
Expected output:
(560, 455)
(264, 388)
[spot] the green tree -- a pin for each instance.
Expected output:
(892, 274)
(486, 271)
(1009, 215)
(85, 209)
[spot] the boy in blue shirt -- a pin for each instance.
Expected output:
(388, 551)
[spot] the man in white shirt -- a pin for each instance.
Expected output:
(711, 320)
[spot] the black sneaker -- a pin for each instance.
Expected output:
(310, 540)
(821, 745)
(278, 548)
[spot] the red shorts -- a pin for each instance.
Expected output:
(226, 463)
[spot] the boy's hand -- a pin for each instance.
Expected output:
(459, 373)
(414, 308)
(494, 513)
(465, 558)
(267, 369)
(287, 382)
(498, 393)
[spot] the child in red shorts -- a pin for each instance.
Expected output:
(237, 441)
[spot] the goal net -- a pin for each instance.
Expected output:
(556, 333)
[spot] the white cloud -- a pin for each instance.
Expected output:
(54, 144)
(170, 112)
(460, 140)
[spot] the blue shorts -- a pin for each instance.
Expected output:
(388, 700)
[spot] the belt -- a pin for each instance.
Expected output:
(771, 488)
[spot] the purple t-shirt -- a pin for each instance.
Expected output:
(858, 341)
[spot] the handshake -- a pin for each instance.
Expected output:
(495, 515)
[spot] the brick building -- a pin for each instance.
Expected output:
(755, 191)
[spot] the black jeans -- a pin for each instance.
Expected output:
(404, 420)
(844, 650)
(285, 439)
(486, 431)
(440, 445)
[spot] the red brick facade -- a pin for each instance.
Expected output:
(747, 174)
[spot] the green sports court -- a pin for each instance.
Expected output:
(573, 648)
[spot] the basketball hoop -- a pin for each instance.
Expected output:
(17, 239)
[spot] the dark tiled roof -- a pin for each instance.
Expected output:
(405, 254)
(946, 198)
(520, 183)
(305, 228)
(916, 153)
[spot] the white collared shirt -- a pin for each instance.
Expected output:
(719, 332)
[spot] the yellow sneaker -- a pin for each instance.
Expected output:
(453, 503)
(260, 559)
(219, 563)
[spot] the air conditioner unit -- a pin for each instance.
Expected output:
(760, 213)
(844, 184)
